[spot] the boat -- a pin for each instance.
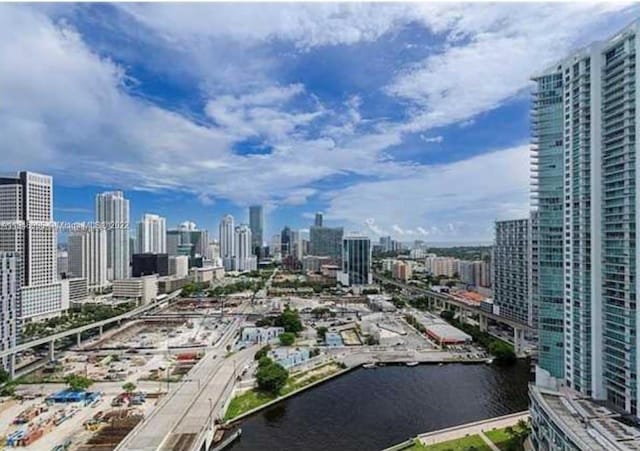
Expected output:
(369, 365)
(412, 363)
(489, 362)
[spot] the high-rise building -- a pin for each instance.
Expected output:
(286, 241)
(226, 236)
(112, 211)
(152, 235)
(26, 211)
(326, 241)
(179, 266)
(88, 256)
(585, 259)
(318, 221)
(547, 284)
(356, 261)
(244, 260)
(511, 270)
(173, 242)
(256, 224)
(62, 262)
(147, 264)
(10, 303)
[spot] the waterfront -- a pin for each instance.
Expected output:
(371, 409)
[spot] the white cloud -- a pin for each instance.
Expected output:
(492, 53)
(432, 139)
(455, 200)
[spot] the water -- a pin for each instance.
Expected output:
(370, 409)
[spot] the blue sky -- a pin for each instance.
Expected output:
(401, 119)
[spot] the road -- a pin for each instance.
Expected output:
(188, 404)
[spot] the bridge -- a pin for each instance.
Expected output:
(449, 302)
(184, 419)
(77, 331)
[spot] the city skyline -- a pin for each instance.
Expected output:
(400, 153)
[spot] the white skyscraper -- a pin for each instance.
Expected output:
(26, 201)
(244, 258)
(88, 256)
(226, 237)
(112, 209)
(152, 235)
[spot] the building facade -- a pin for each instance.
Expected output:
(584, 265)
(88, 256)
(10, 302)
(112, 211)
(26, 211)
(511, 270)
(152, 235)
(356, 261)
(243, 259)
(226, 236)
(256, 224)
(147, 264)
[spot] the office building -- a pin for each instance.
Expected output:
(356, 261)
(226, 237)
(62, 263)
(74, 290)
(244, 260)
(511, 270)
(318, 220)
(147, 264)
(286, 241)
(112, 210)
(10, 303)
(326, 241)
(173, 241)
(179, 266)
(584, 255)
(26, 214)
(152, 235)
(256, 224)
(88, 256)
(142, 290)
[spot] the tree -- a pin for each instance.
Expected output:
(502, 352)
(447, 315)
(262, 352)
(77, 382)
(290, 320)
(322, 332)
(271, 376)
(4, 376)
(287, 338)
(129, 387)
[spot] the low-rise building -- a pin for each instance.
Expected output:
(333, 339)
(288, 357)
(314, 263)
(380, 303)
(74, 290)
(207, 274)
(170, 284)
(143, 290)
(258, 335)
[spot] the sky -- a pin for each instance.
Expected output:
(409, 120)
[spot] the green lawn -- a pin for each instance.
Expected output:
(253, 398)
(500, 437)
(472, 442)
(247, 401)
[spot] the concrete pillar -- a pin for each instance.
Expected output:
(518, 341)
(483, 323)
(12, 366)
(101, 329)
(52, 350)
(78, 339)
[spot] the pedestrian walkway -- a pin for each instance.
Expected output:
(477, 427)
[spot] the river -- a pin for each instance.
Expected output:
(370, 409)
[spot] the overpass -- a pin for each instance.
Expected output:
(184, 418)
(447, 301)
(77, 331)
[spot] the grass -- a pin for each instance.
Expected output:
(474, 442)
(500, 437)
(253, 398)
